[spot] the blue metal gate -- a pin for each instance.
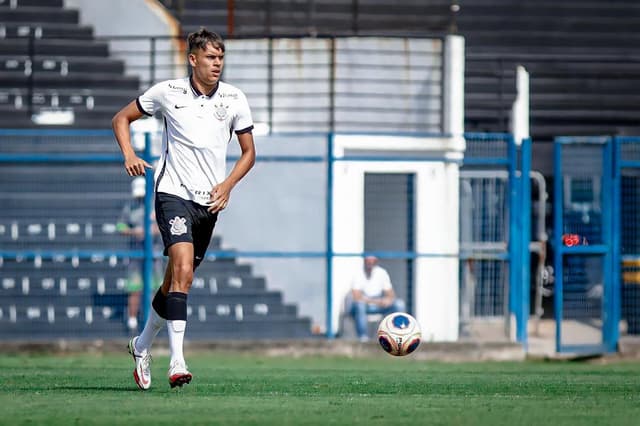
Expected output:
(495, 222)
(627, 232)
(584, 245)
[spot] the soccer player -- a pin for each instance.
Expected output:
(200, 115)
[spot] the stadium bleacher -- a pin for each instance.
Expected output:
(580, 56)
(86, 299)
(49, 61)
(69, 279)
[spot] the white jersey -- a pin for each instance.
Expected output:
(196, 134)
(375, 285)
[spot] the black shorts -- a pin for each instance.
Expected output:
(184, 221)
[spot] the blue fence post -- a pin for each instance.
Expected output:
(616, 242)
(329, 242)
(558, 229)
(523, 302)
(147, 271)
(612, 297)
(515, 232)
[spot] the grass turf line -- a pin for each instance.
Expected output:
(254, 390)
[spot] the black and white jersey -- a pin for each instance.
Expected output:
(197, 131)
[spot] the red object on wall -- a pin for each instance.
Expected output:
(571, 240)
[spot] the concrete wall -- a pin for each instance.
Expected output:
(281, 207)
(381, 84)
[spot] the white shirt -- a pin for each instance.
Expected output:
(375, 285)
(197, 131)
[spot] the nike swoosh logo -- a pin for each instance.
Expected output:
(180, 106)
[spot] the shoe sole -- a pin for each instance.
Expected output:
(135, 371)
(180, 379)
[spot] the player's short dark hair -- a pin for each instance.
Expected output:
(199, 40)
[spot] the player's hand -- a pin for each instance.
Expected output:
(135, 166)
(219, 198)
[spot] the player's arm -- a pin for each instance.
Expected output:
(121, 121)
(220, 193)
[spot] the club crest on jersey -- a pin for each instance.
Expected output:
(178, 226)
(220, 111)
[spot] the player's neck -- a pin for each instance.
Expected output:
(203, 88)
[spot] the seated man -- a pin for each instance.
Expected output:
(372, 293)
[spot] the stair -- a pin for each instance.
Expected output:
(68, 278)
(49, 61)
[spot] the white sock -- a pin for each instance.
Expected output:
(151, 329)
(176, 338)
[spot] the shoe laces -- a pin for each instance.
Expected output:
(178, 365)
(145, 361)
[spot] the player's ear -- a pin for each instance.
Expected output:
(192, 59)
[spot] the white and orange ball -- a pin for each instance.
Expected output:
(399, 334)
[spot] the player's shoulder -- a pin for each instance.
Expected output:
(177, 85)
(174, 86)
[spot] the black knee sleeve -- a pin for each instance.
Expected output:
(176, 306)
(159, 303)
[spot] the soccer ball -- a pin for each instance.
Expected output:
(399, 334)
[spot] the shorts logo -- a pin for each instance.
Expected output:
(178, 226)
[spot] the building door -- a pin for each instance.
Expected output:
(389, 226)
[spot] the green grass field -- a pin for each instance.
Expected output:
(254, 390)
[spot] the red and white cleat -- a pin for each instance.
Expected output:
(142, 372)
(178, 374)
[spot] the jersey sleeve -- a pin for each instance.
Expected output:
(151, 101)
(243, 122)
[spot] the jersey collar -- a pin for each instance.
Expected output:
(198, 93)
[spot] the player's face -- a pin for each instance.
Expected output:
(207, 65)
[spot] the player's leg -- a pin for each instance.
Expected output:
(157, 314)
(140, 346)
(185, 258)
(181, 260)
(171, 217)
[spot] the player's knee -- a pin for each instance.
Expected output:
(182, 277)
